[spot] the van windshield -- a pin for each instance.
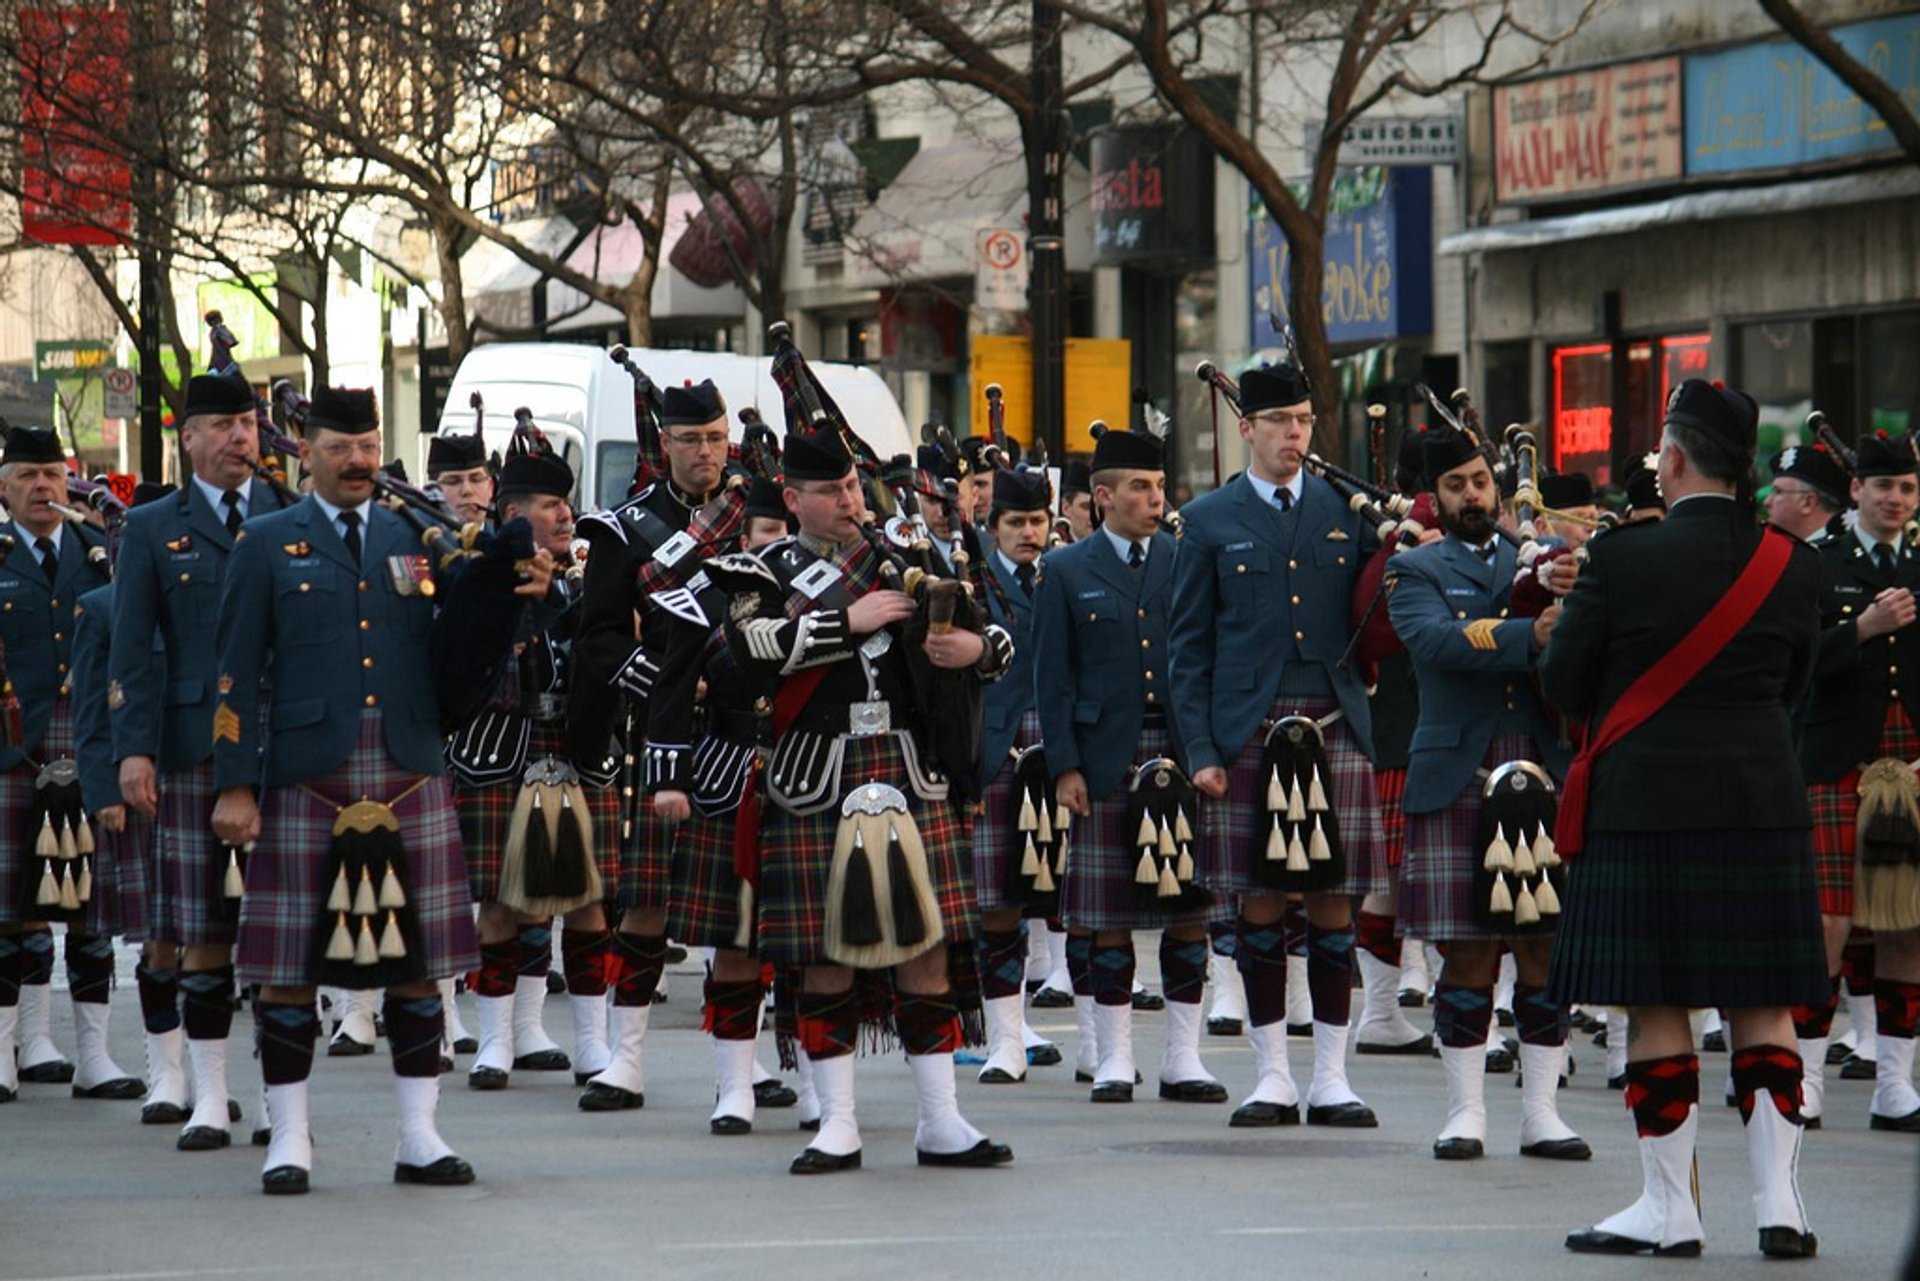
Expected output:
(613, 471)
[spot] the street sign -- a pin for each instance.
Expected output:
(1000, 281)
(1396, 140)
(122, 399)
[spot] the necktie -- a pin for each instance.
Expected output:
(1489, 552)
(1024, 573)
(49, 558)
(352, 537)
(231, 501)
(1883, 557)
(1284, 498)
(1136, 557)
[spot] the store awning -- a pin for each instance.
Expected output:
(615, 253)
(498, 283)
(1695, 207)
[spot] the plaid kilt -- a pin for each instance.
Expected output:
(1097, 891)
(1695, 919)
(1836, 811)
(703, 902)
(1390, 785)
(192, 867)
(19, 870)
(286, 876)
(122, 865)
(797, 854)
(646, 850)
(486, 812)
(993, 838)
(1436, 871)
(1228, 846)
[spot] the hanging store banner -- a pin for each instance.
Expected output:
(1152, 194)
(1586, 132)
(75, 187)
(1377, 264)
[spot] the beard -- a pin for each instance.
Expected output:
(1469, 524)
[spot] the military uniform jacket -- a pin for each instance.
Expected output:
(800, 622)
(92, 737)
(1008, 698)
(1099, 655)
(703, 743)
(1255, 590)
(332, 637)
(171, 562)
(1853, 683)
(1473, 662)
(1395, 704)
(37, 624)
(611, 657)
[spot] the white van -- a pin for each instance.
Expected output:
(583, 401)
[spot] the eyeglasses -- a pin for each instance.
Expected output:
(697, 439)
(1278, 418)
(1784, 491)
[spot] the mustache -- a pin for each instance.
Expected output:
(357, 473)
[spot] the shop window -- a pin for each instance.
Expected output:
(1590, 433)
(1583, 408)
(1773, 363)
(1891, 341)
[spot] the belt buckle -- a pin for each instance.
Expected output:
(870, 718)
(546, 707)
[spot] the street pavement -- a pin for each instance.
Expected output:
(1152, 1190)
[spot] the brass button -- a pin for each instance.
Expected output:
(7, 607)
(65, 690)
(371, 700)
(62, 667)
(1293, 564)
(57, 603)
(59, 636)
(1339, 560)
(186, 578)
(1460, 613)
(1892, 668)
(366, 662)
(365, 625)
(1239, 569)
(1296, 600)
(1152, 699)
(1142, 613)
(1092, 618)
(1149, 675)
(1299, 635)
(1145, 643)
(306, 587)
(1503, 612)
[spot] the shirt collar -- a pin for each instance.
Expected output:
(333, 513)
(1866, 541)
(27, 540)
(1122, 546)
(1267, 489)
(214, 496)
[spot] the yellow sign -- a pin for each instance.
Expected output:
(1099, 379)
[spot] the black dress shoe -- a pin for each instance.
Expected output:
(263, 1137)
(1574, 1149)
(1419, 1045)
(556, 983)
(1193, 1091)
(164, 1114)
(284, 1180)
(1854, 1068)
(1714, 1043)
(543, 1061)
(999, 1076)
(611, 1098)
(8, 1095)
(1343, 1116)
(233, 1110)
(1052, 998)
(1594, 1241)
(1600, 1037)
(446, 1064)
(1788, 1243)
(203, 1138)
(1908, 1124)
(487, 1078)
(675, 954)
(52, 1072)
(1111, 1092)
(1811, 1123)
(814, 1161)
(1260, 1116)
(1412, 998)
(1149, 1001)
(1225, 1027)
(1617, 1082)
(467, 1045)
(730, 1125)
(447, 1172)
(811, 1127)
(1500, 1061)
(985, 1152)
(345, 1047)
(774, 1093)
(1299, 1029)
(1045, 1055)
(1503, 1017)
(1838, 1052)
(123, 1088)
(1458, 1149)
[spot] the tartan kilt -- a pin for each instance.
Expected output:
(1097, 891)
(1695, 919)
(646, 851)
(286, 876)
(1390, 785)
(122, 864)
(192, 868)
(703, 903)
(19, 870)
(797, 854)
(1435, 886)
(1836, 810)
(487, 811)
(993, 838)
(1228, 846)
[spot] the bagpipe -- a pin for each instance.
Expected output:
(649, 460)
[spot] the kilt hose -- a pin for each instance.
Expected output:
(287, 874)
(1836, 809)
(995, 842)
(486, 812)
(19, 870)
(1696, 919)
(797, 855)
(193, 866)
(1233, 831)
(122, 868)
(1097, 892)
(703, 903)
(1390, 785)
(1437, 869)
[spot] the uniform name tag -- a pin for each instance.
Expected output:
(411, 575)
(1851, 591)
(1096, 593)
(816, 578)
(1239, 547)
(675, 549)
(1463, 591)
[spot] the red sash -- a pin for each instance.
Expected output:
(1656, 686)
(787, 706)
